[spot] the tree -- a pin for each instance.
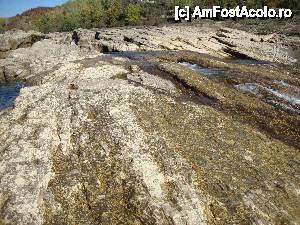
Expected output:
(132, 14)
(240, 3)
(43, 23)
(114, 12)
(2, 25)
(1, 29)
(65, 22)
(183, 3)
(91, 14)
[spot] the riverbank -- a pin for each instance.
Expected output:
(202, 127)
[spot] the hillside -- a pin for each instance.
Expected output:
(110, 13)
(85, 14)
(27, 18)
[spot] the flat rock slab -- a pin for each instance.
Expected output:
(104, 140)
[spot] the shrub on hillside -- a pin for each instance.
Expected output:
(58, 21)
(2, 25)
(1, 29)
(113, 12)
(109, 13)
(90, 13)
(132, 14)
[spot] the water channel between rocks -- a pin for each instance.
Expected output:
(8, 93)
(286, 98)
(282, 99)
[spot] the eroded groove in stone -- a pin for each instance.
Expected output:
(118, 139)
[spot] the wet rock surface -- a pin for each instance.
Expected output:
(162, 137)
(9, 93)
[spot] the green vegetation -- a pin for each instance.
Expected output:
(132, 14)
(113, 12)
(2, 25)
(110, 13)
(1, 29)
(57, 21)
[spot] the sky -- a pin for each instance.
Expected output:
(10, 8)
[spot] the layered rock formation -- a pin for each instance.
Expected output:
(104, 139)
(19, 39)
(213, 40)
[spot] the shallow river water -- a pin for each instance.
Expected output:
(8, 94)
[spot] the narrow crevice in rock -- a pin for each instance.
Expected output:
(85, 193)
(224, 42)
(4, 75)
(193, 91)
(236, 54)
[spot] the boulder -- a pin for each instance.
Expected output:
(15, 39)
(41, 57)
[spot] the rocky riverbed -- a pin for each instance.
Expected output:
(150, 125)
